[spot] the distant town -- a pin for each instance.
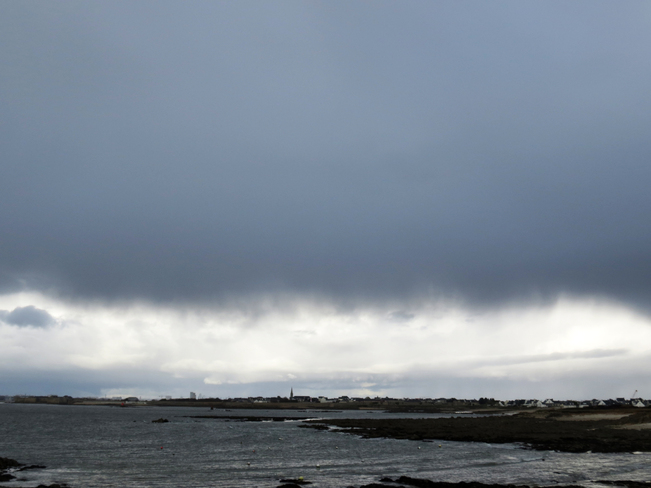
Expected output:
(342, 402)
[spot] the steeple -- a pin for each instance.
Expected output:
(291, 394)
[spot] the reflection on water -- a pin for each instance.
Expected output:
(108, 446)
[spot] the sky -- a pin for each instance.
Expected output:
(418, 198)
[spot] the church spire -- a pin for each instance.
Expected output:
(291, 394)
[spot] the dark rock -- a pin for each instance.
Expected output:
(6, 463)
(423, 483)
(378, 485)
(289, 485)
(626, 483)
(296, 481)
(418, 482)
(160, 421)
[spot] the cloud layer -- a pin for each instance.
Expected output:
(26, 316)
(320, 349)
(492, 154)
(232, 193)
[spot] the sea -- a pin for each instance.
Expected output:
(103, 446)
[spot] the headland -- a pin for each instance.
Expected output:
(586, 430)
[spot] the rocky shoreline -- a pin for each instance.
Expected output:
(408, 482)
(10, 466)
(596, 430)
(6, 465)
(584, 431)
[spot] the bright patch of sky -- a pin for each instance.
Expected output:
(320, 349)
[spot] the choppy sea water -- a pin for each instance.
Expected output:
(88, 446)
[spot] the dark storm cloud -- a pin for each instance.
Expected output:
(27, 316)
(185, 151)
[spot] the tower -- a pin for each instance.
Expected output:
(291, 394)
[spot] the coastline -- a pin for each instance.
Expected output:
(569, 430)
(622, 430)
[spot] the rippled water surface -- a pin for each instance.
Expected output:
(88, 446)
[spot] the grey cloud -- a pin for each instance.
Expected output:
(91, 383)
(557, 356)
(27, 316)
(401, 316)
(172, 152)
(78, 382)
